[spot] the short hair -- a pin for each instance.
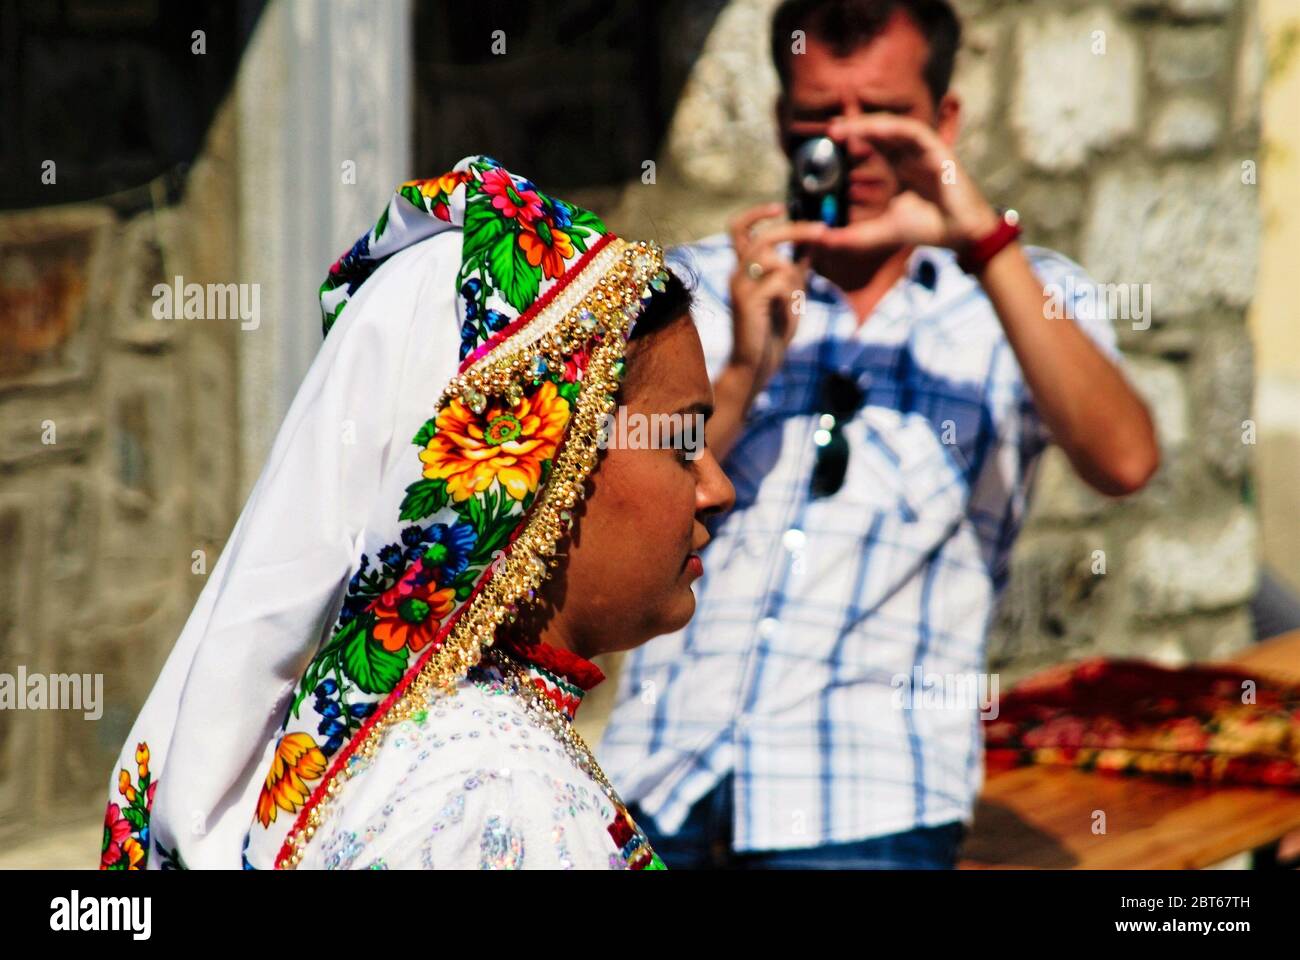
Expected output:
(849, 24)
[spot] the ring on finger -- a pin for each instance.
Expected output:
(755, 270)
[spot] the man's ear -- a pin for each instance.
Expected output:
(948, 118)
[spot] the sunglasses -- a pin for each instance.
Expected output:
(838, 400)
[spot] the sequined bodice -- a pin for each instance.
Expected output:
(472, 782)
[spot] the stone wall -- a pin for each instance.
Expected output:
(1157, 104)
(119, 453)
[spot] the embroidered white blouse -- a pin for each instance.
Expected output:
(474, 783)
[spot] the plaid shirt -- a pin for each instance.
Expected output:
(812, 612)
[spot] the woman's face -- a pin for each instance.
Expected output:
(634, 548)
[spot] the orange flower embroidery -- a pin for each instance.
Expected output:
(297, 760)
(134, 853)
(124, 786)
(470, 450)
(438, 190)
(433, 186)
(546, 245)
(408, 613)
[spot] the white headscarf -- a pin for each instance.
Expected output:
(418, 482)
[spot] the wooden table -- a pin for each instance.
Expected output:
(1042, 817)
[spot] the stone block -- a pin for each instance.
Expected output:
(1190, 231)
(1054, 602)
(1077, 87)
(1202, 563)
(1187, 55)
(1185, 126)
(53, 284)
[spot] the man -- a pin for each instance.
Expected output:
(883, 393)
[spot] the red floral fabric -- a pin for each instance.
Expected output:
(1200, 723)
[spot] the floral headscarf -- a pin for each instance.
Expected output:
(545, 298)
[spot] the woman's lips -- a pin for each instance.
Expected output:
(695, 565)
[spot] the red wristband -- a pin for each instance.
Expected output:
(976, 257)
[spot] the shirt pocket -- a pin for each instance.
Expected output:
(899, 466)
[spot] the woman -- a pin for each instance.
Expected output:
(384, 665)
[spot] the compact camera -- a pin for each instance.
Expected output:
(819, 182)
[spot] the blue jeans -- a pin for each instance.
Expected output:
(704, 843)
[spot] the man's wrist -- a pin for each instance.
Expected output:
(975, 255)
(739, 375)
(976, 227)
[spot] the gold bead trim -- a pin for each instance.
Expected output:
(565, 326)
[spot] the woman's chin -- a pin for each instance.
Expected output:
(672, 615)
(682, 608)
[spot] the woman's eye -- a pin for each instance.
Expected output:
(689, 453)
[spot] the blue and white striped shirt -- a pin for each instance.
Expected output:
(812, 612)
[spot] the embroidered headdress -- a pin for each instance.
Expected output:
(545, 299)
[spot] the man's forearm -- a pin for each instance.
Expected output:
(733, 392)
(1091, 410)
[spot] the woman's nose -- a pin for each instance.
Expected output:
(716, 493)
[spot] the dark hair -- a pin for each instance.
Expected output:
(663, 307)
(849, 24)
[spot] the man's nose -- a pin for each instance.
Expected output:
(857, 146)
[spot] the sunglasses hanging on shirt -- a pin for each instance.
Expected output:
(838, 400)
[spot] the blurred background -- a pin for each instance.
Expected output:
(252, 142)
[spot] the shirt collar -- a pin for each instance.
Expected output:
(562, 675)
(922, 275)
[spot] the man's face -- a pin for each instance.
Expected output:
(884, 75)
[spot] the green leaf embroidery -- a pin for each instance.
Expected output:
(515, 279)
(414, 197)
(426, 432)
(134, 816)
(370, 666)
(423, 498)
(483, 228)
(588, 220)
(496, 522)
(327, 658)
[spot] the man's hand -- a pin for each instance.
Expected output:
(763, 288)
(763, 314)
(1091, 410)
(938, 204)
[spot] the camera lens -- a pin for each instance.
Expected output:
(817, 165)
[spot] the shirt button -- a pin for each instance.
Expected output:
(926, 273)
(794, 539)
(767, 627)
